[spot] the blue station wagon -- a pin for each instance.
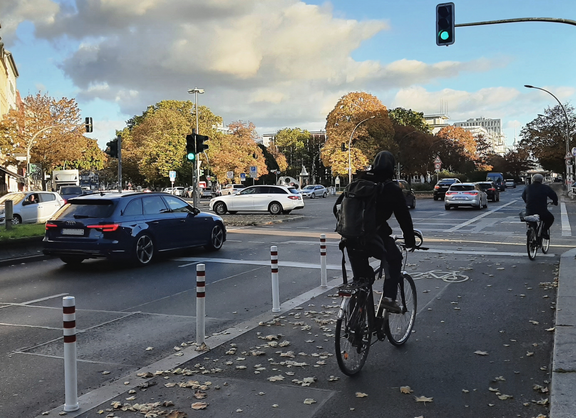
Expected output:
(134, 226)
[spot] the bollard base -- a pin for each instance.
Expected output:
(71, 408)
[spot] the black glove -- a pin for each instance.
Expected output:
(556, 203)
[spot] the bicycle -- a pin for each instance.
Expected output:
(534, 235)
(358, 319)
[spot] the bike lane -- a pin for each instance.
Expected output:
(481, 347)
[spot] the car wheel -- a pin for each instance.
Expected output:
(435, 197)
(325, 194)
(72, 259)
(485, 205)
(275, 208)
(144, 249)
(216, 238)
(16, 220)
(447, 207)
(220, 208)
(312, 195)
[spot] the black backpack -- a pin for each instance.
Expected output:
(356, 219)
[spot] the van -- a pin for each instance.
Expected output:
(497, 179)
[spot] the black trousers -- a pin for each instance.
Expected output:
(547, 218)
(385, 249)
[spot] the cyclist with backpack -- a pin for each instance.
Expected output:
(536, 197)
(362, 212)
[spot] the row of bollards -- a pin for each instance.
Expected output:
(69, 320)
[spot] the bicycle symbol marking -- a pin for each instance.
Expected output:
(445, 276)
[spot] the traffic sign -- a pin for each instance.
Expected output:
(242, 176)
(230, 174)
(437, 166)
(568, 157)
(574, 151)
(172, 175)
(437, 160)
(253, 171)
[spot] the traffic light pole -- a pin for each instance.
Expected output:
(521, 19)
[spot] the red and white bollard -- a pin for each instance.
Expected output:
(323, 273)
(200, 303)
(275, 284)
(70, 370)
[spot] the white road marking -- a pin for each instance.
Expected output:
(566, 230)
(468, 222)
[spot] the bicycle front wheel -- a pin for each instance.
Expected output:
(398, 326)
(531, 243)
(546, 243)
(353, 337)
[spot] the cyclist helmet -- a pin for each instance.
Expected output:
(537, 178)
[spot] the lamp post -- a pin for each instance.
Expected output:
(28, 148)
(350, 144)
(196, 189)
(568, 179)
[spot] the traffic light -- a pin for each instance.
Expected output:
(200, 145)
(190, 147)
(112, 148)
(445, 24)
(88, 125)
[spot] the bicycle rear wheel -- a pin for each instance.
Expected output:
(352, 337)
(531, 243)
(398, 326)
(546, 243)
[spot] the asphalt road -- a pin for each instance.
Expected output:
(478, 293)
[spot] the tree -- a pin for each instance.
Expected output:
(291, 142)
(545, 137)
(417, 150)
(364, 116)
(237, 152)
(403, 117)
(49, 130)
(462, 156)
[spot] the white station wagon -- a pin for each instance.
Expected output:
(265, 198)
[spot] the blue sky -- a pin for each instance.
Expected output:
(285, 63)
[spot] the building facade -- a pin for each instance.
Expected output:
(493, 128)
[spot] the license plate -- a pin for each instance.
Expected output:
(73, 232)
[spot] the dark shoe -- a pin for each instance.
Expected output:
(545, 235)
(391, 305)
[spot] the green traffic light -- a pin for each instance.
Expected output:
(444, 35)
(190, 156)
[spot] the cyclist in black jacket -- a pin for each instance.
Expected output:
(390, 201)
(536, 197)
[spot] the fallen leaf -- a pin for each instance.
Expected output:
(405, 389)
(504, 397)
(423, 399)
(481, 353)
(361, 395)
(149, 348)
(309, 401)
(199, 405)
(177, 414)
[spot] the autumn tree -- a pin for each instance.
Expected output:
(48, 130)
(545, 137)
(236, 152)
(361, 120)
(416, 150)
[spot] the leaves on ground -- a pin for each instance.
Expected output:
(423, 399)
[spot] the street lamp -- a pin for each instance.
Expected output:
(196, 189)
(350, 144)
(568, 179)
(28, 148)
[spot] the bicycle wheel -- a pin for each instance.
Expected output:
(352, 337)
(546, 243)
(531, 243)
(398, 326)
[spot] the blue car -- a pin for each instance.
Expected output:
(134, 226)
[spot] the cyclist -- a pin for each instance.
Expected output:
(536, 197)
(390, 201)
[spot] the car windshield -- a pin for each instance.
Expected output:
(308, 188)
(14, 197)
(87, 209)
(461, 187)
(71, 190)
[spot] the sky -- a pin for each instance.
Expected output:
(285, 63)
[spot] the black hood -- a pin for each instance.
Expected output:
(383, 165)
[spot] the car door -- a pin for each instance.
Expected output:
(193, 229)
(48, 204)
(161, 222)
(29, 211)
(244, 200)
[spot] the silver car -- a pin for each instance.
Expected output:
(259, 198)
(314, 190)
(465, 194)
(30, 207)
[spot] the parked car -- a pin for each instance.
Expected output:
(176, 191)
(30, 207)
(442, 186)
(68, 192)
(314, 190)
(408, 193)
(492, 192)
(260, 198)
(231, 189)
(134, 226)
(465, 194)
(510, 183)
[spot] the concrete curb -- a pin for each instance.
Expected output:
(562, 399)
